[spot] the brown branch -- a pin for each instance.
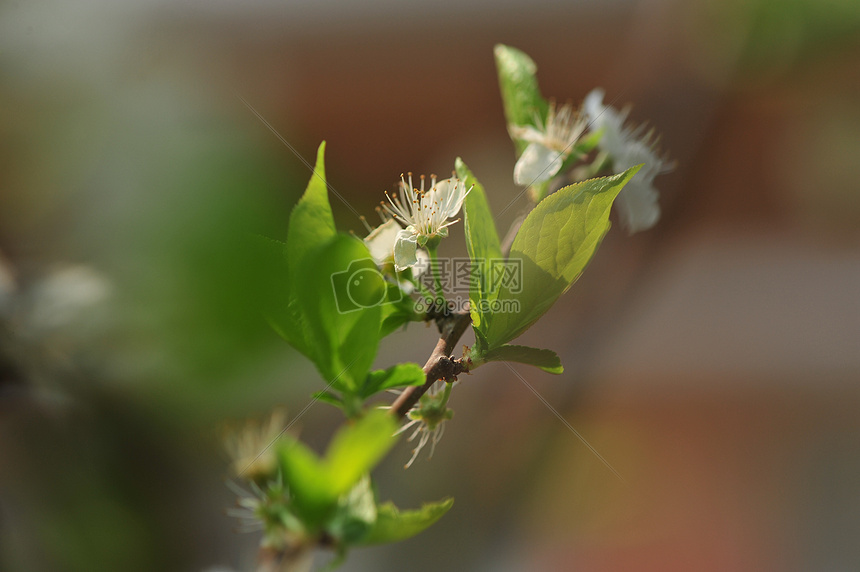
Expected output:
(440, 365)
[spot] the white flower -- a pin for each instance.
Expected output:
(380, 242)
(549, 145)
(425, 215)
(251, 448)
(628, 147)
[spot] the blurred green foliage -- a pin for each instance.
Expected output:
(157, 190)
(767, 37)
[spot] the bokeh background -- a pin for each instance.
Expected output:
(712, 361)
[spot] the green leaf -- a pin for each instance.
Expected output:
(316, 484)
(553, 246)
(481, 345)
(393, 525)
(397, 310)
(394, 320)
(309, 482)
(355, 514)
(400, 375)
(521, 96)
(339, 295)
(482, 242)
(311, 222)
(356, 449)
(328, 397)
(547, 360)
(278, 307)
(311, 226)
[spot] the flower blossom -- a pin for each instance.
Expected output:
(429, 414)
(251, 447)
(425, 214)
(380, 242)
(627, 147)
(549, 146)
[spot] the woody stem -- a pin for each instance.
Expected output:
(439, 365)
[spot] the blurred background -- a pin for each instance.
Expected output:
(712, 361)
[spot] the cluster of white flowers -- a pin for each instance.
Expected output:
(552, 141)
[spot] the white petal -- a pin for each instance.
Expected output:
(423, 263)
(450, 193)
(637, 152)
(637, 202)
(458, 195)
(440, 191)
(536, 164)
(405, 247)
(607, 118)
(380, 241)
(526, 133)
(638, 206)
(407, 286)
(592, 105)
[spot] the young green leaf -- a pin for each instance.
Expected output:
(547, 360)
(356, 449)
(393, 525)
(311, 222)
(481, 344)
(397, 310)
(553, 245)
(482, 243)
(328, 397)
(355, 514)
(521, 96)
(317, 484)
(311, 322)
(309, 482)
(339, 294)
(400, 375)
(278, 307)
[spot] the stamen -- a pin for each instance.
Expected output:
(364, 222)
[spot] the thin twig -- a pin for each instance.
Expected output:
(439, 365)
